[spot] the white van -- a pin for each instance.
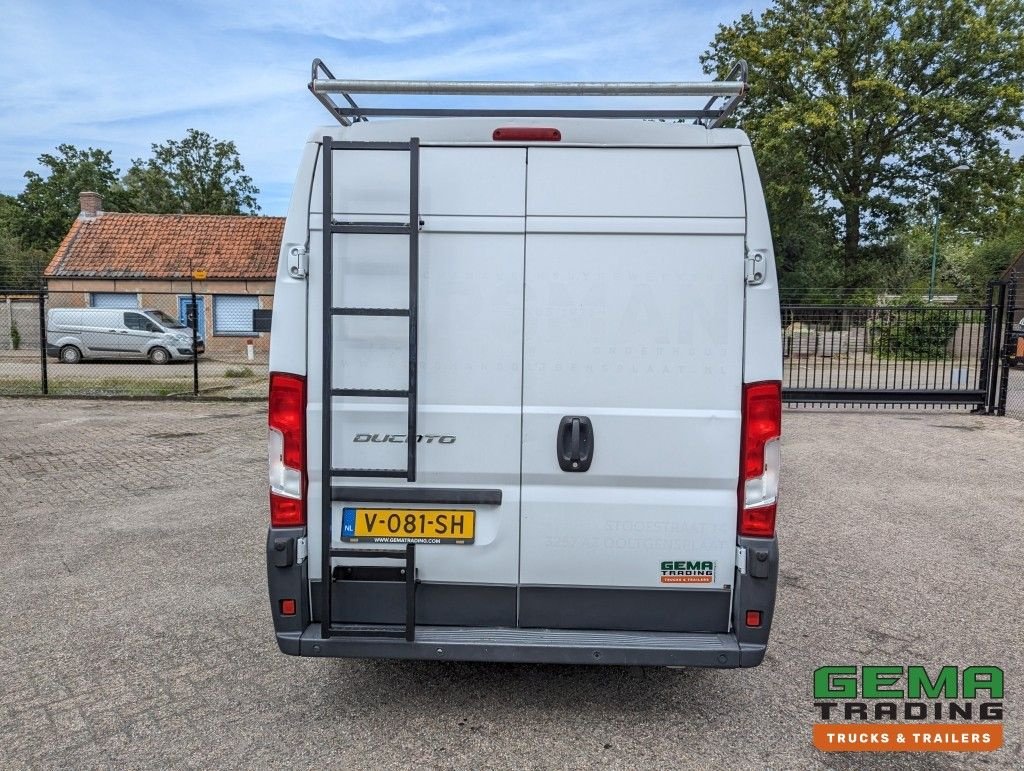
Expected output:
(525, 389)
(76, 334)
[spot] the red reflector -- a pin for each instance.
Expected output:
(288, 609)
(753, 617)
(286, 512)
(758, 522)
(526, 134)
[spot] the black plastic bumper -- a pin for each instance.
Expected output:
(299, 634)
(534, 646)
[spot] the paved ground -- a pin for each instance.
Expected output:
(136, 632)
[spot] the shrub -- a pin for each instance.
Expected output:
(239, 372)
(912, 330)
(15, 337)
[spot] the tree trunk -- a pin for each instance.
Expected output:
(851, 241)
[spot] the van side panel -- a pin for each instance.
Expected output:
(762, 353)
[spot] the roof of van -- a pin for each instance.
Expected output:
(600, 131)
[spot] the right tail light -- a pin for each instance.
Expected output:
(760, 458)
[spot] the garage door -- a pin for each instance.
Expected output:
(115, 300)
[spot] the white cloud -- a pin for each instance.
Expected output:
(121, 75)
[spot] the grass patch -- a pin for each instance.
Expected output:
(239, 372)
(106, 386)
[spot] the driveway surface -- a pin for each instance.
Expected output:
(135, 627)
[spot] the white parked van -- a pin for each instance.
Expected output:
(525, 389)
(76, 334)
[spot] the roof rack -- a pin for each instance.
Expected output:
(732, 90)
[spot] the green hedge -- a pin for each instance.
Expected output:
(913, 331)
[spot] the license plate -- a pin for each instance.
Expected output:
(429, 526)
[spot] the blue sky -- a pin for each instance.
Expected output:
(122, 75)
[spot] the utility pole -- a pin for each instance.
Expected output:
(935, 229)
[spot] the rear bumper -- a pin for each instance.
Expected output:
(534, 646)
(446, 637)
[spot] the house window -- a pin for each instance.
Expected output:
(115, 300)
(232, 314)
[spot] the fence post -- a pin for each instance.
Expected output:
(195, 343)
(995, 348)
(43, 381)
(1005, 338)
(985, 375)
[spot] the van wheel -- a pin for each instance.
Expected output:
(159, 356)
(70, 355)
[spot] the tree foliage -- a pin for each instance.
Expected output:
(49, 203)
(20, 267)
(197, 174)
(868, 103)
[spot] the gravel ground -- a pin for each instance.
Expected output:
(136, 631)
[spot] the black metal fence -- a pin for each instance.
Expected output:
(889, 356)
(932, 355)
(906, 355)
(87, 343)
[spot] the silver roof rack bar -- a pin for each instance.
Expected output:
(732, 89)
(738, 72)
(527, 88)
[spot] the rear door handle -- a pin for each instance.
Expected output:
(574, 444)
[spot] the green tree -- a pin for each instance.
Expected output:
(874, 100)
(198, 175)
(10, 214)
(20, 267)
(49, 203)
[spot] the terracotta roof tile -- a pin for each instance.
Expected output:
(162, 246)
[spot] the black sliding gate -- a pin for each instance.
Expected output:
(928, 355)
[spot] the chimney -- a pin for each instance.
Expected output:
(91, 203)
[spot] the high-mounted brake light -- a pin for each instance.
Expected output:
(760, 458)
(286, 441)
(526, 134)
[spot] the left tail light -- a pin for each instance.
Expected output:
(286, 440)
(760, 458)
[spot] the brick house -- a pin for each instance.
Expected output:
(129, 260)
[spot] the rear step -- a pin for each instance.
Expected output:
(395, 473)
(406, 573)
(369, 311)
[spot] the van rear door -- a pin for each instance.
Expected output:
(472, 208)
(633, 355)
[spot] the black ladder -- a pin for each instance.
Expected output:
(331, 227)
(409, 229)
